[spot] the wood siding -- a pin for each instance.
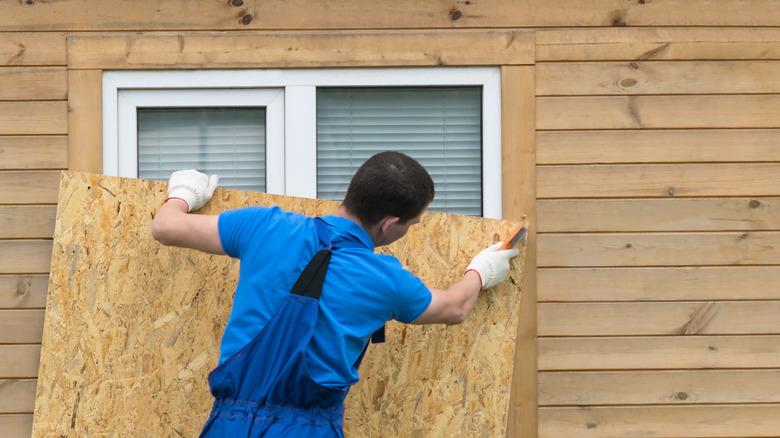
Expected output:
(646, 156)
(657, 173)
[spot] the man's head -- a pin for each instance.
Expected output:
(389, 184)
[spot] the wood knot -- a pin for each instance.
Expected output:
(670, 191)
(23, 285)
(591, 425)
(246, 19)
(455, 15)
(682, 396)
(628, 82)
(237, 2)
(628, 245)
(754, 203)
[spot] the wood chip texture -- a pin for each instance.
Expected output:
(132, 328)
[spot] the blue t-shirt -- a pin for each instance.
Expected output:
(362, 290)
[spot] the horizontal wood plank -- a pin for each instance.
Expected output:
(17, 396)
(33, 118)
(658, 283)
(27, 221)
(19, 361)
(657, 43)
(661, 352)
(302, 49)
(29, 187)
(16, 425)
(657, 77)
(21, 326)
(25, 256)
(34, 152)
(32, 48)
(658, 180)
(657, 146)
(33, 83)
(658, 387)
(176, 15)
(659, 318)
(655, 249)
(715, 421)
(658, 112)
(653, 214)
(23, 291)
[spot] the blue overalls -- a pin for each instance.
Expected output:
(265, 389)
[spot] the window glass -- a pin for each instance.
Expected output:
(229, 142)
(438, 126)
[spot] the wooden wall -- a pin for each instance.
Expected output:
(654, 129)
(658, 216)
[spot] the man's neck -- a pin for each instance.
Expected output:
(343, 212)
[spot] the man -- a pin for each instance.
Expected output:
(311, 292)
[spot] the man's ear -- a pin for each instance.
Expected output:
(387, 222)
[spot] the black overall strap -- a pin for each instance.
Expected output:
(309, 283)
(311, 280)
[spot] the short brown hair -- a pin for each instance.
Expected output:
(389, 184)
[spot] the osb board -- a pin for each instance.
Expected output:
(132, 328)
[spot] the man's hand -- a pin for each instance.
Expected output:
(492, 265)
(192, 187)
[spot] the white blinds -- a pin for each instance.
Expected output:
(438, 126)
(229, 142)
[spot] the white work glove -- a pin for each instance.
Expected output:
(192, 187)
(492, 265)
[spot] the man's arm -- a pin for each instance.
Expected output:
(188, 190)
(453, 305)
(174, 226)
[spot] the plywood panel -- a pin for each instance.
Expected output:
(667, 249)
(19, 361)
(27, 221)
(661, 352)
(28, 187)
(16, 425)
(659, 283)
(301, 49)
(659, 387)
(653, 77)
(661, 421)
(23, 291)
(33, 83)
(658, 146)
(302, 14)
(667, 318)
(150, 319)
(32, 48)
(643, 214)
(34, 152)
(657, 43)
(33, 118)
(658, 180)
(658, 112)
(21, 326)
(25, 256)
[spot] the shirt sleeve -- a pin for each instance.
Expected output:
(414, 297)
(238, 227)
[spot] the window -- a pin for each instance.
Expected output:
(305, 132)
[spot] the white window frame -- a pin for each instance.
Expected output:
(293, 143)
